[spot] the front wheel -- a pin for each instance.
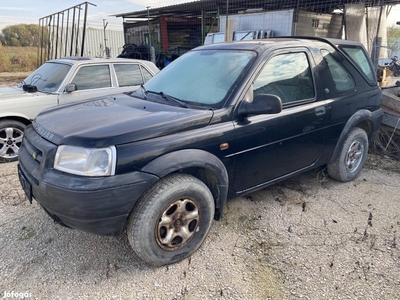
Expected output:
(351, 158)
(171, 220)
(11, 133)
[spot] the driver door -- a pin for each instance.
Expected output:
(271, 147)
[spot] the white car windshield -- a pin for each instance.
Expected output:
(201, 77)
(48, 77)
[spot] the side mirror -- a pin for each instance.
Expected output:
(262, 104)
(70, 87)
(29, 88)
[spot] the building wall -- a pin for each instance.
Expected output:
(281, 22)
(95, 45)
(320, 25)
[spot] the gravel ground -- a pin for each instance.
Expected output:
(309, 237)
(306, 238)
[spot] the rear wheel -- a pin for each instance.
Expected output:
(351, 159)
(11, 133)
(171, 220)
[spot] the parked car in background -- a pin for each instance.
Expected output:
(63, 81)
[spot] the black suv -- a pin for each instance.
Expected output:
(221, 121)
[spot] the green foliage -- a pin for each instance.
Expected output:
(393, 36)
(21, 35)
(28, 232)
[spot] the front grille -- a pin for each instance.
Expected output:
(35, 154)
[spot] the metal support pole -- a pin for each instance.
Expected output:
(105, 39)
(77, 31)
(226, 23)
(56, 46)
(49, 38)
(148, 24)
(84, 28)
(73, 32)
(378, 42)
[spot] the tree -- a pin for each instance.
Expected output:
(21, 35)
(393, 34)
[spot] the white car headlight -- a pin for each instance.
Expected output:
(86, 161)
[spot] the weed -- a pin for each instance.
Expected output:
(28, 232)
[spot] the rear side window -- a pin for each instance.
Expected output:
(146, 74)
(342, 79)
(93, 77)
(360, 59)
(128, 74)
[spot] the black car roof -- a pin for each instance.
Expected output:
(276, 42)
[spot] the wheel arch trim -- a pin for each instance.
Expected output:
(373, 120)
(193, 158)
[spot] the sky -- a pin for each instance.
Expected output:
(29, 12)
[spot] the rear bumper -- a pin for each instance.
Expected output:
(97, 205)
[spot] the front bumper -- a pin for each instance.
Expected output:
(96, 205)
(99, 205)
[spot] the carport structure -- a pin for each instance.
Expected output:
(185, 25)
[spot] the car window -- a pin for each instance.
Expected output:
(146, 74)
(361, 60)
(92, 77)
(287, 76)
(205, 77)
(342, 79)
(48, 77)
(128, 74)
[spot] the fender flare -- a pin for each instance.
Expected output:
(375, 119)
(192, 158)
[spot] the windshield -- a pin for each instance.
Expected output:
(201, 77)
(48, 77)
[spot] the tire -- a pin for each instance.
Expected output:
(11, 133)
(351, 159)
(171, 220)
(396, 71)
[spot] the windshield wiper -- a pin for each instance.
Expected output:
(176, 100)
(169, 98)
(144, 91)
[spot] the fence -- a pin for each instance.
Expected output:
(185, 26)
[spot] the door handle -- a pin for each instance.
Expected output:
(319, 111)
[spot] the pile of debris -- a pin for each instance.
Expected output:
(388, 139)
(387, 142)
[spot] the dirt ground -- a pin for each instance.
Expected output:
(306, 238)
(8, 79)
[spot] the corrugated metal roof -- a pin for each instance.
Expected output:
(195, 8)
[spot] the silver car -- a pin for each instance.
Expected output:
(63, 81)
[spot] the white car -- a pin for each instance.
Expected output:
(63, 81)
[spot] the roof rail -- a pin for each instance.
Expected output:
(317, 38)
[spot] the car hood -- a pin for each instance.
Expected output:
(115, 120)
(15, 91)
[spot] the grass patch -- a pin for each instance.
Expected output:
(18, 59)
(28, 232)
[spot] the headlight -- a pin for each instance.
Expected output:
(86, 161)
